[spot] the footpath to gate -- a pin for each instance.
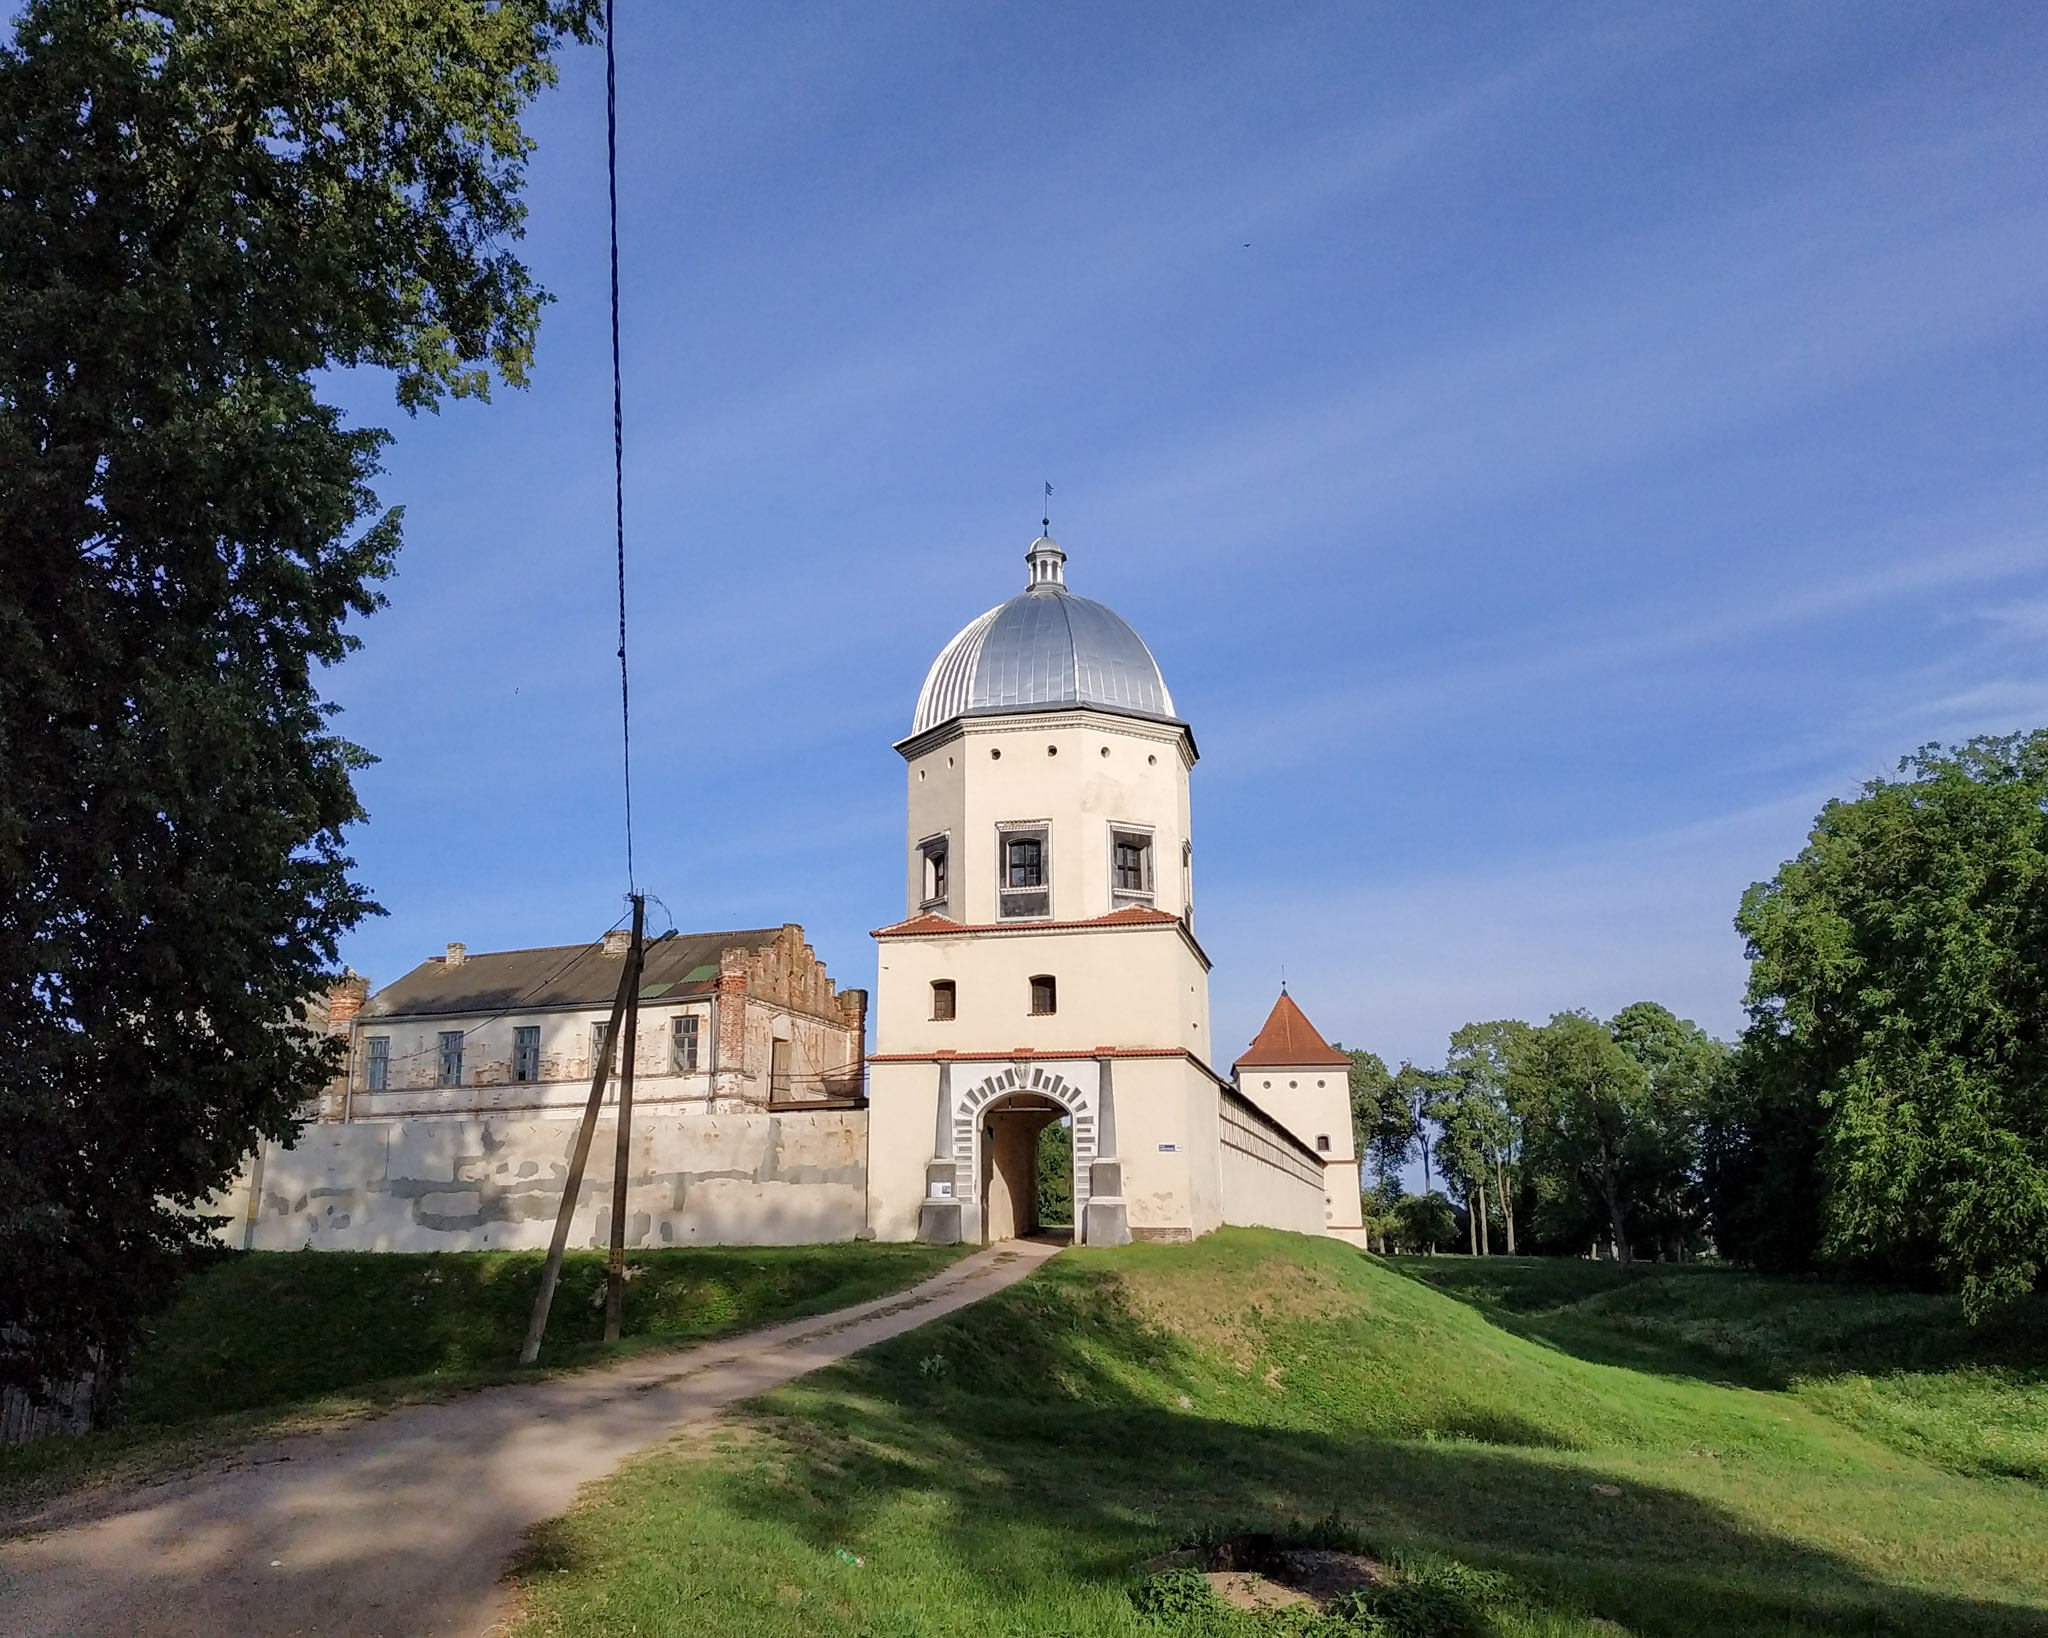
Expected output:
(402, 1526)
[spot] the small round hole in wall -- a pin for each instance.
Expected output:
(1268, 1085)
(994, 754)
(1105, 750)
(1292, 1084)
(1322, 1083)
(920, 776)
(1151, 759)
(1052, 750)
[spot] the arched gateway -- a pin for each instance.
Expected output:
(1048, 966)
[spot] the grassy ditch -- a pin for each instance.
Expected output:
(1902, 1367)
(265, 1341)
(1044, 1462)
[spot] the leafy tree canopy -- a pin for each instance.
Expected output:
(203, 204)
(1898, 1049)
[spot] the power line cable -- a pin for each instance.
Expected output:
(611, 153)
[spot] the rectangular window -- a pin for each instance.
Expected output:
(937, 874)
(683, 1044)
(377, 1062)
(451, 1057)
(778, 1072)
(1045, 994)
(598, 1035)
(1023, 871)
(1323, 1142)
(944, 999)
(526, 1053)
(1130, 866)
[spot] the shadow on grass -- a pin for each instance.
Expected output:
(1723, 1325)
(1007, 1469)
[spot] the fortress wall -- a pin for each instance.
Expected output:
(1267, 1181)
(478, 1184)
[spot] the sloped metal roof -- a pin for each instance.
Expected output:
(561, 975)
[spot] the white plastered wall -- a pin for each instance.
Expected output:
(1080, 772)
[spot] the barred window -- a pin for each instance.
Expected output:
(1045, 994)
(945, 997)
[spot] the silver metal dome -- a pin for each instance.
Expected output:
(1045, 647)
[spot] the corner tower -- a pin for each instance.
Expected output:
(1046, 968)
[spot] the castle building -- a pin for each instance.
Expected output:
(1047, 967)
(1045, 970)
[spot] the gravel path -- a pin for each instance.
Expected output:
(402, 1526)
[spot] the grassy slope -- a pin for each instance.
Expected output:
(260, 1340)
(1902, 1367)
(1003, 1471)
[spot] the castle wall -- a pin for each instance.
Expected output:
(448, 1184)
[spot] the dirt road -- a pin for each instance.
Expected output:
(401, 1527)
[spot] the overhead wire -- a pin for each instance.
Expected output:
(611, 154)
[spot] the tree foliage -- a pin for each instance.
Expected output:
(203, 204)
(1897, 1058)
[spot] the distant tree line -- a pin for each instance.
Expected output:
(1884, 1113)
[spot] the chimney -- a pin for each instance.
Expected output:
(617, 942)
(457, 954)
(345, 999)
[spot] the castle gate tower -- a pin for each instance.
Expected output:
(1046, 968)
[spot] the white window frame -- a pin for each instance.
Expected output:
(1148, 895)
(934, 847)
(1007, 831)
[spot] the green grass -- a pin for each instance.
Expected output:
(1904, 1368)
(261, 1341)
(1006, 1470)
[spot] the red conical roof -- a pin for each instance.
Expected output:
(1289, 1041)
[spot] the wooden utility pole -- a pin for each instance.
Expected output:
(572, 1185)
(615, 1267)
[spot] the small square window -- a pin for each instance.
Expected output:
(377, 1062)
(1045, 994)
(944, 999)
(451, 1058)
(1323, 1142)
(683, 1044)
(526, 1053)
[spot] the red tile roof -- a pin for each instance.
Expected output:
(1289, 1041)
(1132, 915)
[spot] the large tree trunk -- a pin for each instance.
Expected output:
(1507, 1203)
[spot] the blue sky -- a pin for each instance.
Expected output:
(1551, 450)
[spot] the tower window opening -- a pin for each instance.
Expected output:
(1130, 862)
(1045, 995)
(937, 887)
(1323, 1142)
(1023, 871)
(945, 1000)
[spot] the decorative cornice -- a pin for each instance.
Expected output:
(1131, 918)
